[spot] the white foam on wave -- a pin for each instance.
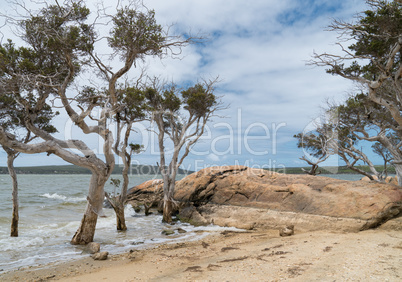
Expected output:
(64, 198)
(36, 260)
(129, 210)
(110, 220)
(13, 243)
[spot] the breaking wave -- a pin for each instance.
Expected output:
(64, 198)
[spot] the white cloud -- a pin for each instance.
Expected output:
(259, 50)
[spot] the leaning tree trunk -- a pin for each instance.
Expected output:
(86, 231)
(14, 221)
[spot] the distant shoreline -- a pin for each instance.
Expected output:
(73, 169)
(333, 169)
(152, 170)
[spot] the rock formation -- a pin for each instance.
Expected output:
(247, 198)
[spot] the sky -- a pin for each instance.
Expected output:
(259, 50)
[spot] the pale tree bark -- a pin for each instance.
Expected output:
(314, 165)
(126, 158)
(100, 174)
(350, 151)
(148, 41)
(398, 170)
(86, 231)
(385, 67)
(394, 150)
(11, 156)
(118, 202)
(183, 133)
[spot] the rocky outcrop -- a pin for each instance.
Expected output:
(246, 197)
(148, 193)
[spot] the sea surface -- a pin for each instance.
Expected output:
(51, 208)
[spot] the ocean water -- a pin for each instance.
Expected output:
(51, 208)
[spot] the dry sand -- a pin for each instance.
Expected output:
(373, 255)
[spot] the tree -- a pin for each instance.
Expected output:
(358, 119)
(62, 44)
(181, 115)
(383, 152)
(131, 109)
(12, 119)
(318, 144)
(364, 120)
(375, 60)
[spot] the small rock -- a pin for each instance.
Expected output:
(167, 232)
(180, 230)
(100, 256)
(93, 247)
(287, 231)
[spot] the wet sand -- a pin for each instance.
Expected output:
(259, 255)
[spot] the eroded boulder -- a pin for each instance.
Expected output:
(242, 196)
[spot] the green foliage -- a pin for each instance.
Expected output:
(171, 101)
(386, 19)
(198, 100)
(171, 105)
(132, 104)
(136, 148)
(17, 98)
(154, 100)
(135, 32)
(115, 182)
(360, 113)
(51, 30)
(314, 143)
(57, 33)
(91, 96)
(376, 32)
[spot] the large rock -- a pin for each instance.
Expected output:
(241, 196)
(148, 191)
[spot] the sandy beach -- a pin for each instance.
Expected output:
(258, 255)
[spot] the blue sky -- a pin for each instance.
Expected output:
(259, 51)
